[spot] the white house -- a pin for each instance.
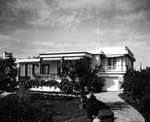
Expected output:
(115, 62)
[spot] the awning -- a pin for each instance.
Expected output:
(65, 55)
(58, 59)
(114, 55)
(27, 60)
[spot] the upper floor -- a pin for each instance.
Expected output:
(113, 60)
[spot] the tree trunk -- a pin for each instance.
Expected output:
(81, 103)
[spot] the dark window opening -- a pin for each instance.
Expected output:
(45, 69)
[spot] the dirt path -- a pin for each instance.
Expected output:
(123, 111)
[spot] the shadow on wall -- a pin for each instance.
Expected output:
(110, 84)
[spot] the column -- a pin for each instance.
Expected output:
(18, 72)
(40, 66)
(26, 70)
(33, 66)
(121, 63)
(61, 68)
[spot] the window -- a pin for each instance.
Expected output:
(22, 71)
(36, 69)
(112, 63)
(45, 69)
(29, 73)
(109, 61)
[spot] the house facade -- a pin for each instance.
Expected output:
(115, 62)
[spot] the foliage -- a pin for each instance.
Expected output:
(38, 81)
(14, 109)
(137, 85)
(79, 77)
(8, 73)
(43, 81)
(94, 106)
(146, 103)
(106, 115)
(65, 85)
(20, 108)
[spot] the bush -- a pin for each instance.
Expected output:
(20, 108)
(102, 105)
(65, 86)
(14, 109)
(146, 104)
(4, 83)
(137, 85)
(136, 82)
(8, 72)
(93, 106)
(96, 85)
(106, 115)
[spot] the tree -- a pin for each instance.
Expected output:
(8, 72)
(78, 77)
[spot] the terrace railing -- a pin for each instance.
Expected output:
(117, 68)
(47, 76)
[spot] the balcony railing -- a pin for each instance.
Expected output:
(113, 69)
(47, 76)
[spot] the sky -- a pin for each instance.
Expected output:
(30, 27)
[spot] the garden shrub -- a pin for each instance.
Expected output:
(53, 96)
(93, 106)
(96, 84)
(65, 85)
(147, 90)
(15, 109)
(4, 83)
(14, 84)
(146, 103)
(102, 105)
(1, 92)
(20, 108)
(137, 85)
(106, 115)
(8, 72)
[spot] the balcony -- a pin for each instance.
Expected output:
(46, 77)
(113, 69)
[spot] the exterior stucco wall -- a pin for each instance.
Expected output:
(22, 70)
(103, 61)
(118, 61)
(111, 84)
(124, 63)
(53, 67)
(96, 60)
(129, 63)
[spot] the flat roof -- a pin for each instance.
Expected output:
(65, 54)
(106, 51)
(27, 60)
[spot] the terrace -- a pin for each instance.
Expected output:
(113, 69)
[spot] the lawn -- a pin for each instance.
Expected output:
(146, 115)
(63, 109)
